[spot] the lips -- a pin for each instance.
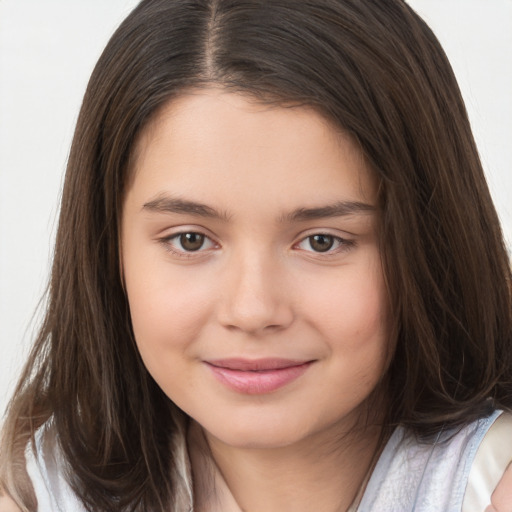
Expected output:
(257, 376)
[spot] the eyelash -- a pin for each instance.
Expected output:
(342, 244)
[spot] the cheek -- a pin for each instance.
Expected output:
(167, 307)
(352, 309)
(166, 321)
(352, 317)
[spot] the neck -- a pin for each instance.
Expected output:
(324, 472)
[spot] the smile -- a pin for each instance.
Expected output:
(257, 377)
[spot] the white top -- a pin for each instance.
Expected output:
(449, 475)
(434, 477)
(45, 469)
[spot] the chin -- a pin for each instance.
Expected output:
(260, 440)
(259, 433)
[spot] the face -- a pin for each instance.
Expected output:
(252, 268)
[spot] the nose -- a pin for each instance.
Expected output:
(255, 299)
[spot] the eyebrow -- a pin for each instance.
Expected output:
(339, 209)
(166, 204)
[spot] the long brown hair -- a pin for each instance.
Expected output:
(376, 70)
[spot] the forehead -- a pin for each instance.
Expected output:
(210, 141)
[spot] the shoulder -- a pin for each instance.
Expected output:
(427, 475)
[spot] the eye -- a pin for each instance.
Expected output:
(323, 243)
(188, 242)
(191, 241)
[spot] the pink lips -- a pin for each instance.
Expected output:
(260, 376)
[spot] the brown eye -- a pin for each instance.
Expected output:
(321, 243)
(192, 241)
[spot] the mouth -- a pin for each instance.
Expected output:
(255, 377)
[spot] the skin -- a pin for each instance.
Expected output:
(501, 499)
(258, 288)
(8, 505)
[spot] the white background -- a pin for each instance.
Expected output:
(47, 51)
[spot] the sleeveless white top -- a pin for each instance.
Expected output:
(410, 476)
(430, 477)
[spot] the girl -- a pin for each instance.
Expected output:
(279, 280)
